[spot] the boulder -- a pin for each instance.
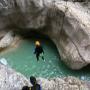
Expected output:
(6, 40)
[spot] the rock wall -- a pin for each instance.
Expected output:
(11, 80)
(6, 40)
(65, 22)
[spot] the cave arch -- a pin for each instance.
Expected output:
(37, 14)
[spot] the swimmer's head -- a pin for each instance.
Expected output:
(37, 43)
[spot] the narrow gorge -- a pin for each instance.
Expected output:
(59, 24)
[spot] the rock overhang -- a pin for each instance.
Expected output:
(64, 22)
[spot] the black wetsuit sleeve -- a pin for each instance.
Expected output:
(42, 49)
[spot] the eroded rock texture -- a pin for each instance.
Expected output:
(6, 40)
(66, 23)
(11, 80)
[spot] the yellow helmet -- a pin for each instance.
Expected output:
(37, 43)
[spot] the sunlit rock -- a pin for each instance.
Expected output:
(6, 40)
(11, 80)
(66, 23)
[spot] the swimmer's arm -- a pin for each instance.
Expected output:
(42, 49)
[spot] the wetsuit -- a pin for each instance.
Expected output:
(38, 51)
(35, 87)
(25, 88)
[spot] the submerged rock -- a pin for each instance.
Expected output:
(11, 80)
(65, 22)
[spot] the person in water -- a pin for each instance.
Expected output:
(39, 50)
(35, 86)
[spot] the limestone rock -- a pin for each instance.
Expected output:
(6, 40)
(67, 83)
(65, 22)
(11, 80)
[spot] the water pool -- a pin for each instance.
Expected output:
(24, 61)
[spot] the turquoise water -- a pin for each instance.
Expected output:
(24, 61)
